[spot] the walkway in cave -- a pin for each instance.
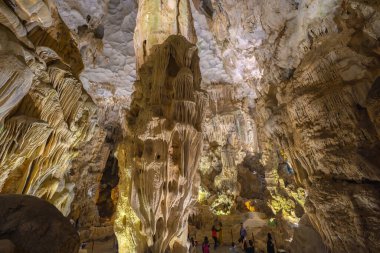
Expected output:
(100, 247)
(107, 247)
(222, 249)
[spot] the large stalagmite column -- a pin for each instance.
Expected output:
(160, 155)
(160, 152)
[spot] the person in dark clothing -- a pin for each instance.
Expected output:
(251, 248)
(243, 233)
(192, 245)
(214, 234)
(205, 246)
(245, 245)
(270, 245)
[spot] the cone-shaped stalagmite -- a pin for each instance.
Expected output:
(160, 154)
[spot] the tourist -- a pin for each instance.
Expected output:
(83, 245)
(206, 246)
(251, 248)
(214, 235)
(193, 247)
(245, 245)
(192, 241)
(243, 233)
(270, 245)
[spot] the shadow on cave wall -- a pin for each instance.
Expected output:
(109, 181)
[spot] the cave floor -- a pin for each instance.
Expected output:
(222, 249)
(100, 247)
(107, 247)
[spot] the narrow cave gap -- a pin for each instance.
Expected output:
(106, 202)
(110, 179)
(207, 8)
(10, 4)
(144, 49)
(173, 67)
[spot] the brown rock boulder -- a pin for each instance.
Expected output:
(35, 226)
(6, 246)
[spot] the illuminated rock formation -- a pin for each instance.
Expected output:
(291, 129)
(321, 114)
(159, 156)
(45, 112)
(230, 134)
(313, 65)
(35, 226)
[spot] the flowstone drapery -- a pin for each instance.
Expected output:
(160, 153)
(44, 111)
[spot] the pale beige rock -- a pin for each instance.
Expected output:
(45, 111)
(156, 21)
(290, 82)
(319, 117)
(160, 153)
(16, 76)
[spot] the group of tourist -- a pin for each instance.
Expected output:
(248, 247)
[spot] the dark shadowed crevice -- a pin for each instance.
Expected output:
(106, 204)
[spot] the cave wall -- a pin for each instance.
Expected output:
(229, 137)
(321, 114)
(313, 83)
(304, 75)
(45, 113)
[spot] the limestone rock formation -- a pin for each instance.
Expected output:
(104, 32)
(306, 239)
(35, 226)
(318, 114)
(314, 71)
(229, 136)
(45, 112)
(291, 128)
(160, 153)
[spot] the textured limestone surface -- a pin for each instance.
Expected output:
(291, 128)
(305, 232)
(104, 32)
(319, 115)
(229, 137)
(160, 152)
(315, 89)
(45, 113)
(35, 226)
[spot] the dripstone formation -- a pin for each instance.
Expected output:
(45, 113)
(287, 111)
(160, 154)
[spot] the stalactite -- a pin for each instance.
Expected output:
(44, 111)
